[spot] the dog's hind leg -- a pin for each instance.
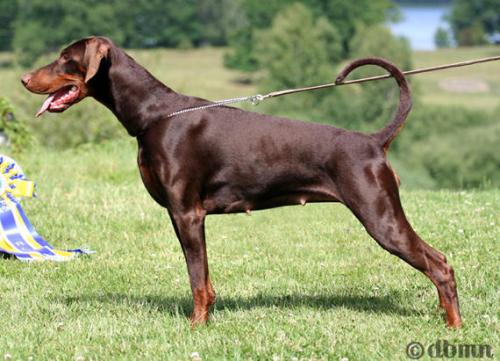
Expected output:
(373, 196)
(190, 229)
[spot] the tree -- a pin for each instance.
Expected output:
(8, 11)
(298, 50)
(158, 23)
(135, 24)
(256, 14)
(219, 18)
(42, 26)
(348, 15)
(442, 38)
(344, 14)
(472, 20)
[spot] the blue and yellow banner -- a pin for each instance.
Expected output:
(17, 236)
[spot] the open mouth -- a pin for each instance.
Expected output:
(60, 100)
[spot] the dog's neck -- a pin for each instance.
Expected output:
(135, 96)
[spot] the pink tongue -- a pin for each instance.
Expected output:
(45, 105)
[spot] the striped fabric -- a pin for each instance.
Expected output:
(17, 235)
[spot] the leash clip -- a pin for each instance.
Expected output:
(256, 99)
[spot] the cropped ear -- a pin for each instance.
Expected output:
(95, 50)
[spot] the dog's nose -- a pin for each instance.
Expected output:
(25, 79)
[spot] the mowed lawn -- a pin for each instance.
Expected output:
(302, 283)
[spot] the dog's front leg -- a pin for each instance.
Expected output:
(190, 229)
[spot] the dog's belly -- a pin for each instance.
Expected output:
(218, 206)
(248, 196)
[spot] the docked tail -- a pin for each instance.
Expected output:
(389, 132)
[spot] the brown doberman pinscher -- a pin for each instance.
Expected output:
(226, 160)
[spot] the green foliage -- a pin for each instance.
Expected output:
(173, 23)
(287, 61)
(379, 41)
(444, 143)
(218, 19)
(442, 38)
(330, 37)
(18, 136)
(137, 24)
(349, 15)
(426, 121)
(242, 55)
(259, 14)
(299, 50)
(158, 23)
(472, 35)
(471, 21)
(462, 161)
(255, 15)
(44, 26)
(8, 10)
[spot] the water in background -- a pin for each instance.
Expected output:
(420, 23)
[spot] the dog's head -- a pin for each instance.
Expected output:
(66, 79)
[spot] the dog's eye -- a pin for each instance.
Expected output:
(71, 67)
(65, 57)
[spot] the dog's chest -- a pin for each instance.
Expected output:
(150, 178)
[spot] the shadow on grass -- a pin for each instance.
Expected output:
(183, 305)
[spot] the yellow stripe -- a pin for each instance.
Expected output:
(4, 165)
(63, 253)
(36, 256)
(7, 246)
(23, 188)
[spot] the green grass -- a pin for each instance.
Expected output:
(296, 282)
